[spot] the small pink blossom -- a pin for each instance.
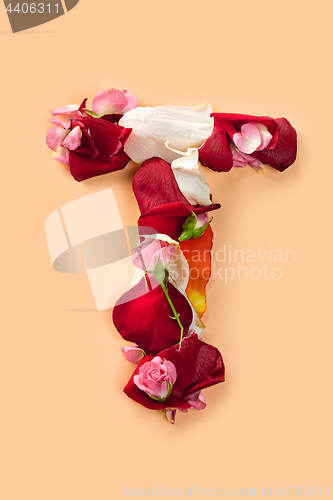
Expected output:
(146, 255)
(156, 378)
(113, 101)
(202, 220)
(133, 354)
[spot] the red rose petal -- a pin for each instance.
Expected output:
(83, 167)
(144, 316)
(199, 365)
(154, 185)
(284, 153)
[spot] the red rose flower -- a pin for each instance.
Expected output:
(238, 140)
(198, 365)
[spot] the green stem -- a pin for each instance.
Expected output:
(164, 288)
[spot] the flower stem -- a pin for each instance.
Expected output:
(164, 288)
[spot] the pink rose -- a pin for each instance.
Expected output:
(156, 378)
(146, 255)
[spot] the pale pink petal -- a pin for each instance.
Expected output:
(265, 135)
(242, 159)
(54, 137)
(73, 139)
(239, 159)
(170, 414)
(65, 110)
(248, 139)
(202, 219)
(143, 257)
(62, 155)
(63, 120)
(132, 101)
(109, 101)
(197, 400)
(257, 165)
(133, 354)
(171, 371)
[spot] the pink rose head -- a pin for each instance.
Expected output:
(113, 101)
(254, 136)
(156, 378)
(148, 254)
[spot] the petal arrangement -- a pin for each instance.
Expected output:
(161, 314)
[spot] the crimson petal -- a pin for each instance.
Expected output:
(284, 153)
(162, 205)
(154, 185)
(108, 138)
(144, 316)
(199, 365)
(216, 153)
(83, 167)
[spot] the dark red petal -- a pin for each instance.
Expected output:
(133, 392)
(199, 365)
(168, 219)
(107, 137)
(143, 316)
(87, 147)
(112, 118)
(83, 167)
(284, 153)
(216, 153)
(202, 210)
(154, 185)
(82, 108)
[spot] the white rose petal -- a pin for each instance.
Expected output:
(191, 181)
(183, 127)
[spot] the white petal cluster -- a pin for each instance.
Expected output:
(182, 127)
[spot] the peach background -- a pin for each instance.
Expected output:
(67, 430)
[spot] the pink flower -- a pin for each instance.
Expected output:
(113, 101)
(156, 378)
(146, 255)
(89, 146)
